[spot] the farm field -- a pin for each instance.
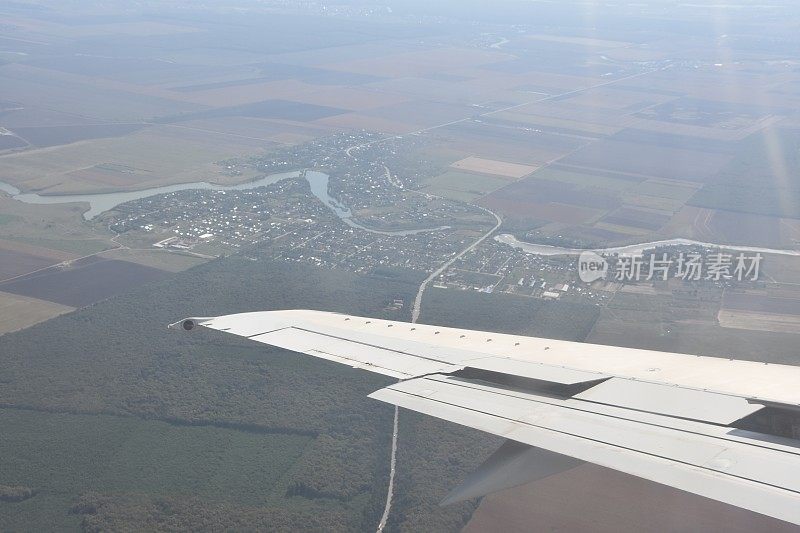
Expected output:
(578, 129)
(79, 95)
(496, 168)
(44, 136)
(687, 327)
(257, 129)
(638, 219)
(490, 141)
(586, 178)
(152, 157)
(19, 312)
(158, 259)
(552, 201)
(779, 312)
(649, 161)
(755, 321)
(15, 263)
(83, 282)
(462, 186)
(11, 142)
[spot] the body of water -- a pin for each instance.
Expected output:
(102, 202)
(632, 249)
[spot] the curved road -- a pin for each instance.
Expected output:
(418, 300)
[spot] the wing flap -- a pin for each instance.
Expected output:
(671, 401)
(762, 480)
(532, 370)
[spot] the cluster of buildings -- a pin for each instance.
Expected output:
(286, 221)
(494, 267)
(218, 221)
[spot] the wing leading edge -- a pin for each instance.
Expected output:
(723, 429)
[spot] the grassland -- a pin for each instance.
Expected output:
(585, 179)
(19, 312)
(159, 259)
(79, 247)
(54, 232)
(496, 168)
(754, 321)
(687, 323)
(83, 282)
(152, 157)
(462, 186)
(14, 263)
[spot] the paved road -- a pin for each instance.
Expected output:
(435, 274)
(392, 468)
(415, 312)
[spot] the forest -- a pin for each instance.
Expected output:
(114, 420)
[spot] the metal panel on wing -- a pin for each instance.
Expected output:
(374, 358)
(540, 371)
(671, 401)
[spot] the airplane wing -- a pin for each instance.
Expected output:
(724, 429)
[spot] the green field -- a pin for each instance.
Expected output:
(463, 186)
(584, 179)
(80, 247)
(152, 157)
(661, 189)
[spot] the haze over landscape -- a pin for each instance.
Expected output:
(441, 162)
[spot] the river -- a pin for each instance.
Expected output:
(632, 249)
(102, 202)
